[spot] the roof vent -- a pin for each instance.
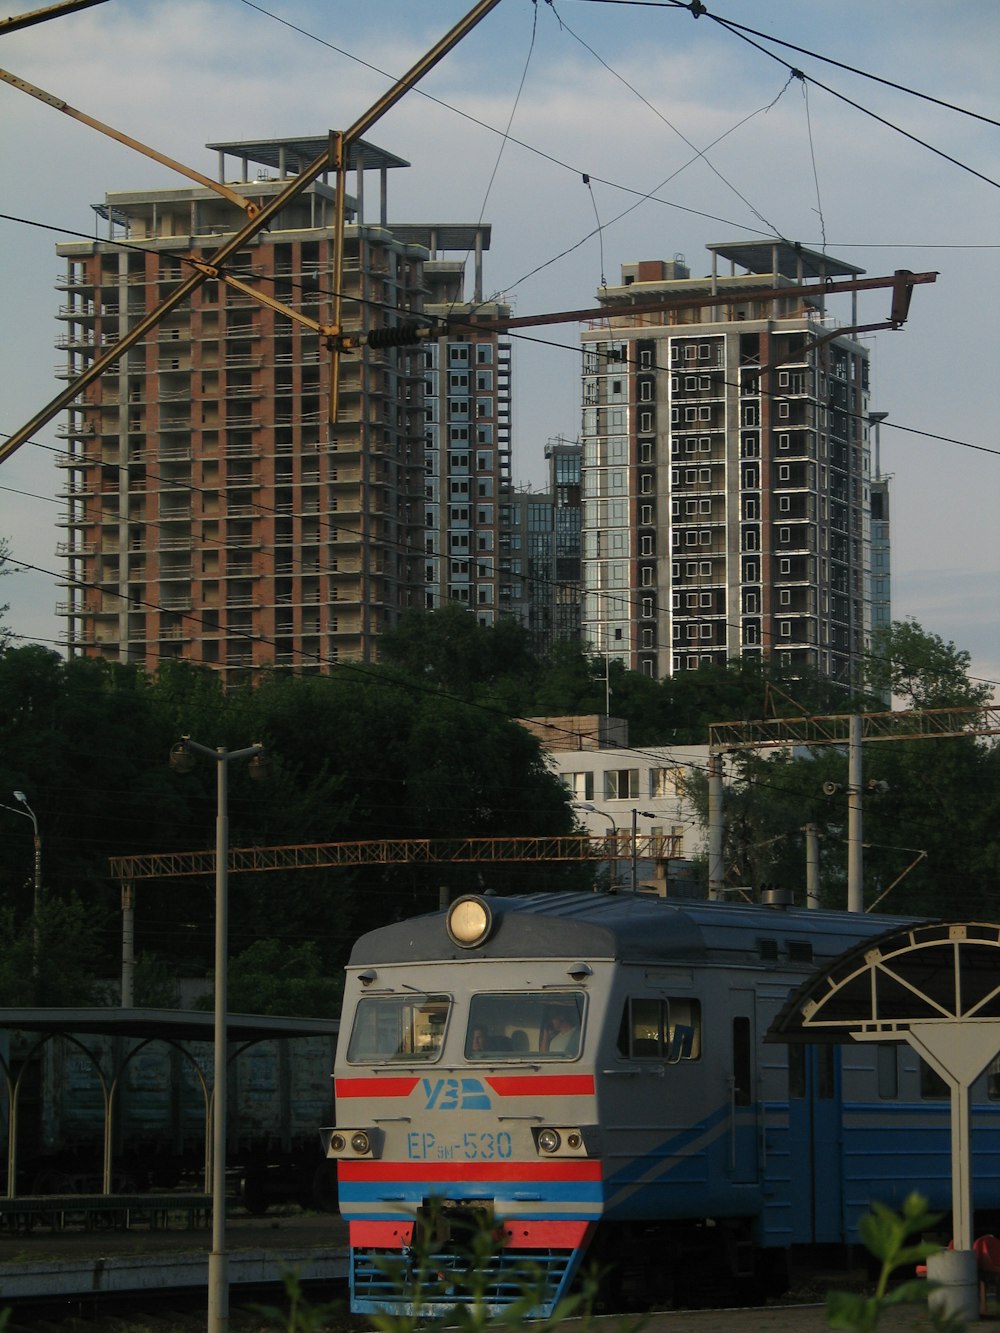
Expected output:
(776, 897)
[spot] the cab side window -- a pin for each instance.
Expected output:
(668, 1030)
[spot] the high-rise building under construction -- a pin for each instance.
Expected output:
(726, 467)
(214, 512)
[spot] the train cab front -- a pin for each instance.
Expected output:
(466, 1142)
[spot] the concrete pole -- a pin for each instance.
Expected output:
(128, 945)
(855, 854)
(716, 826)
(812, 864)
(635, 851)
(218, 1278)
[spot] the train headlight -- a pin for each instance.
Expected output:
(565, 1140)
(469, 922)
(346, 1143)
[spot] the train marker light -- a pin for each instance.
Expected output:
(549, 1140)
(469, 922)
(360, 1142)
(337, 1143)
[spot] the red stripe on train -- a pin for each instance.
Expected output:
(375, 1087)
(366, 1169)
(386, 1235)
(542, 1085)
(517, 1235)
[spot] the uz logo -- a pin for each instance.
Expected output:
(455, 1094)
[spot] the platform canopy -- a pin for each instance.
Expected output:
(164, 1024)
(927, 972)
(934, 986)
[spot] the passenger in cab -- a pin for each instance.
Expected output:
(561, 1034)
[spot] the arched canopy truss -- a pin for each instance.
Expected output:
(933, 985)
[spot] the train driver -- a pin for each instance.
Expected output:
(561, 1035)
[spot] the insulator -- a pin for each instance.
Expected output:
(403, 335)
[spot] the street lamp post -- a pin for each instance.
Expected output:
(646, 814)
(182, 759)
(37, 876)
(595, 810)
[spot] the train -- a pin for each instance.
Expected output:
(584, 1078)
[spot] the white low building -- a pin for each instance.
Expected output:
(625, 793)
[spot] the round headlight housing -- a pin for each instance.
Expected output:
(549, 1140)
(360, 1142)
(337, 1143)
(469, 922)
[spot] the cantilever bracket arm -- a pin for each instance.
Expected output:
(29, 20)
(247, 205)
(902, 290)
(213, 271)
(269, 208)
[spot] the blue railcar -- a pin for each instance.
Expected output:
(588, 1074)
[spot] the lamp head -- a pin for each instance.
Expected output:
(20, 796)
(181, 758)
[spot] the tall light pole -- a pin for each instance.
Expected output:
(182, 759)
(37, 877)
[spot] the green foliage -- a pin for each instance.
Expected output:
(921, 670)
(886, 1234)
(424, 1284)
(66, 967)
(155, 983)
(272, 977)
(300, 1316)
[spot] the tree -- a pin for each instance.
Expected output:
(66, 968)
(921, 670)
(274, 977)
(449, 650)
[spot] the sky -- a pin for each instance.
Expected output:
(589, 134)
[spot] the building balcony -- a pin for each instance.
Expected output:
(75, 636)
(71, 282)
(80, 310)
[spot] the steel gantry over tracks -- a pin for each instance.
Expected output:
(395, 851)
(129, 870)
(849, 730)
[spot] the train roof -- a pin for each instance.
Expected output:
(625, 927)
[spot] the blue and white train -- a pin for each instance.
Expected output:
(588, 1074)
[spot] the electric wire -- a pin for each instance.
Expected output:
(815, 170)
(866, 111)
(700, 154)
(510, 121)
(802, 50)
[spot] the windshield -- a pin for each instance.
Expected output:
(398, 1027)
(543, 1026)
